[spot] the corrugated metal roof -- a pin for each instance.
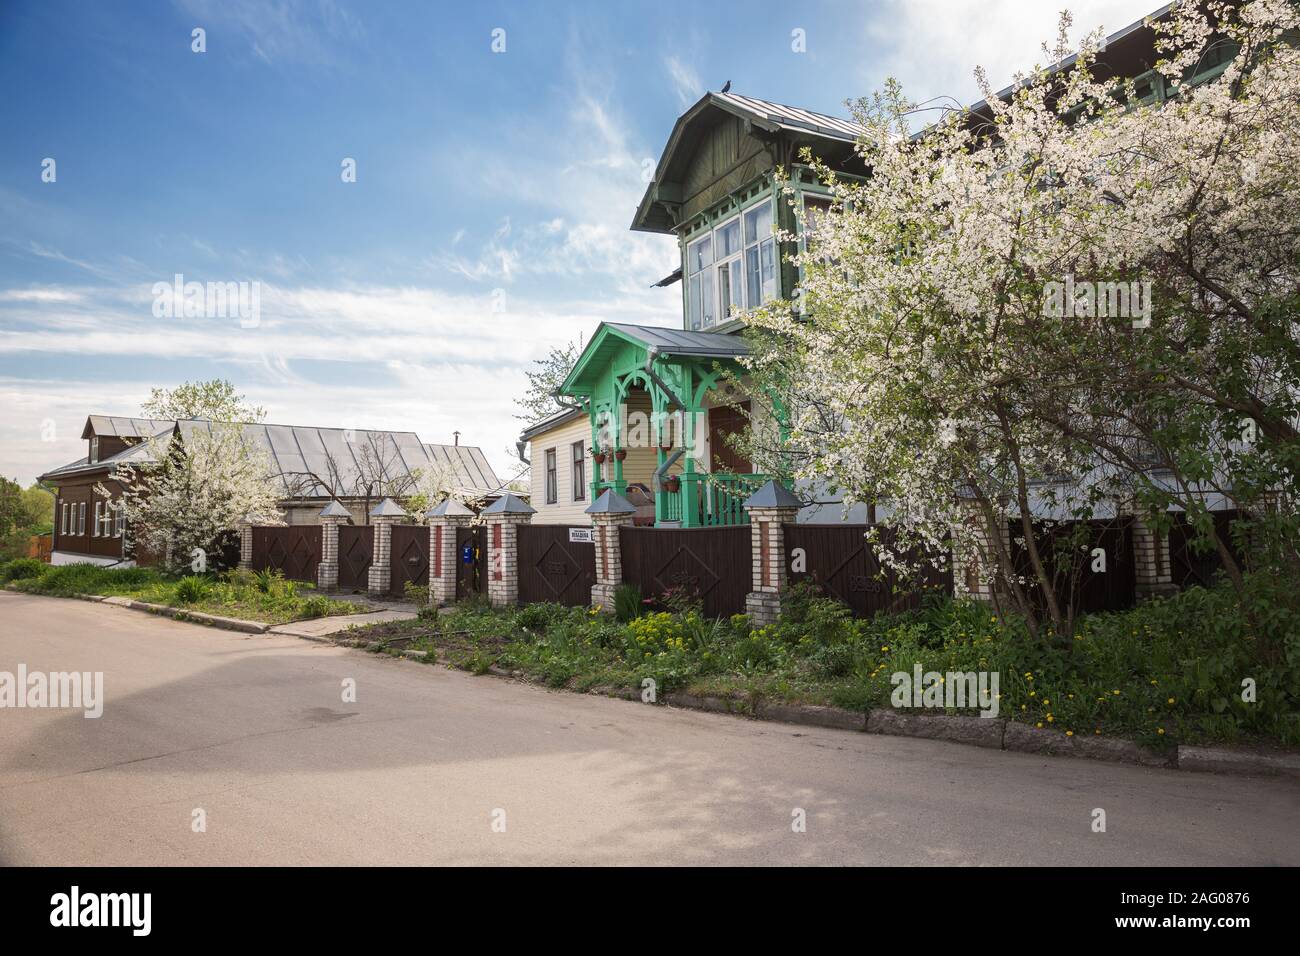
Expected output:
(792, 117)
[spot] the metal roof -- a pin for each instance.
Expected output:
(509, 504)
(792, 117)
(683, 342)
(611, 502)
(125, 427)
(388, 508)
(561, 417)
(335, 509)
(449, 508)
(774, 495)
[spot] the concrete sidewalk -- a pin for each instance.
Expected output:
(323, 627)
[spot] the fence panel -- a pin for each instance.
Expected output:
(410, 557)
(714, 564)
(1191, 566)
(356, 551)
(1071, 566)
(293, 550)
(553, 568)
(845, 565)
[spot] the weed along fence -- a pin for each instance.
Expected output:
(709, 564)
(845, 565)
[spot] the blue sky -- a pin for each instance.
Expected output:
(488, 220)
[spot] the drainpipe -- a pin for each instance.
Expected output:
(662, 470)
(519, 450)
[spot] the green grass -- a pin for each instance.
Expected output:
(1166, 672)
(266, 598)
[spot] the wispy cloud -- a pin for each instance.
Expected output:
(685, 80)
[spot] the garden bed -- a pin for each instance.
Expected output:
(254, 596)
(1167, 672)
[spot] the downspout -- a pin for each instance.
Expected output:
(662, 470)
(519, 450)
(652, 353)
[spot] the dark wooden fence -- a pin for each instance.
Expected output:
(410, 557)
(1068, 561)
(840, 560)
(356, 551)
(1190, 564)
(293, 550)
(553, 568)
(712, 564)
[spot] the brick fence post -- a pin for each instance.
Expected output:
(383, 516)
(245, 545)
(770, 509)
(1153, 575)
(503, 517)
(969, 562)
(444, 518)
(327, 572)
(609, 513)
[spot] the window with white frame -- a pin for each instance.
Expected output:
(119, 521)
(63, 519)
(731, 267)
(106, 519)
(81, 518)
(94, 448)
(95, 528)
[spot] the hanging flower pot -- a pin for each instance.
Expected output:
(673, 484)
(621, 454)
(598, 458)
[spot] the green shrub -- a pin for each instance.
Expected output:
(627, 602)
(315, 606)
(417, 594)
(192, 589)
(21, 569)
(266, 580)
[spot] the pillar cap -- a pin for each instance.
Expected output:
(611, 502)
(773, 495)
(509, 504)
(388, 508)
(449, 508)
(335, 510)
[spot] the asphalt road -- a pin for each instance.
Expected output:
(253, 731)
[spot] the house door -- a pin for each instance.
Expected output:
(726, 420)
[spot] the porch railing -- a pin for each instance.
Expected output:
(713, 499)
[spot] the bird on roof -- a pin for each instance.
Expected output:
(726, 87)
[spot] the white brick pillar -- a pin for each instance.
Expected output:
(327, 572)
(1152, 574)
(973, 561)
(503, 518)
(609, 513)
(444, 518)
(770, 509)
(386, 514)
(245, 545)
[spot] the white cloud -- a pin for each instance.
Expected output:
(935, 45)
(685, 80)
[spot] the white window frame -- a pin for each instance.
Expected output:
(119, 521)
(63, 528)
(94, 448)
(736, 265)
(97, 526)
(81, 519)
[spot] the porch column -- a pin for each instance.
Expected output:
(609, 513)
(503, 518)
(383, 516)
(444, 518)
(245, 545)
(770, 508)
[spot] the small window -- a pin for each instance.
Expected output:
(81, 518)
(552, 483)
(63, 526)
(579, 472)
(94, 448)
(95, 528)
(119, 522)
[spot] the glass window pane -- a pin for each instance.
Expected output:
(753, 279)
(693, 303)
(724, 293)
(707, 304)
(729, 239)
(698, 255)
(758, 222)
(768, 256)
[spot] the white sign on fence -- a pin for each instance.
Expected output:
(580, 534)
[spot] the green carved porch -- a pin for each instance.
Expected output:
(648, 394)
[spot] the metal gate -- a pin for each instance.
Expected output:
(471, 552)
(553, 568)
(293, 550)
(846, 566)
(410, 557)
(713, 565)
(356, 551)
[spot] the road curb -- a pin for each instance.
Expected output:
(1222, 760)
